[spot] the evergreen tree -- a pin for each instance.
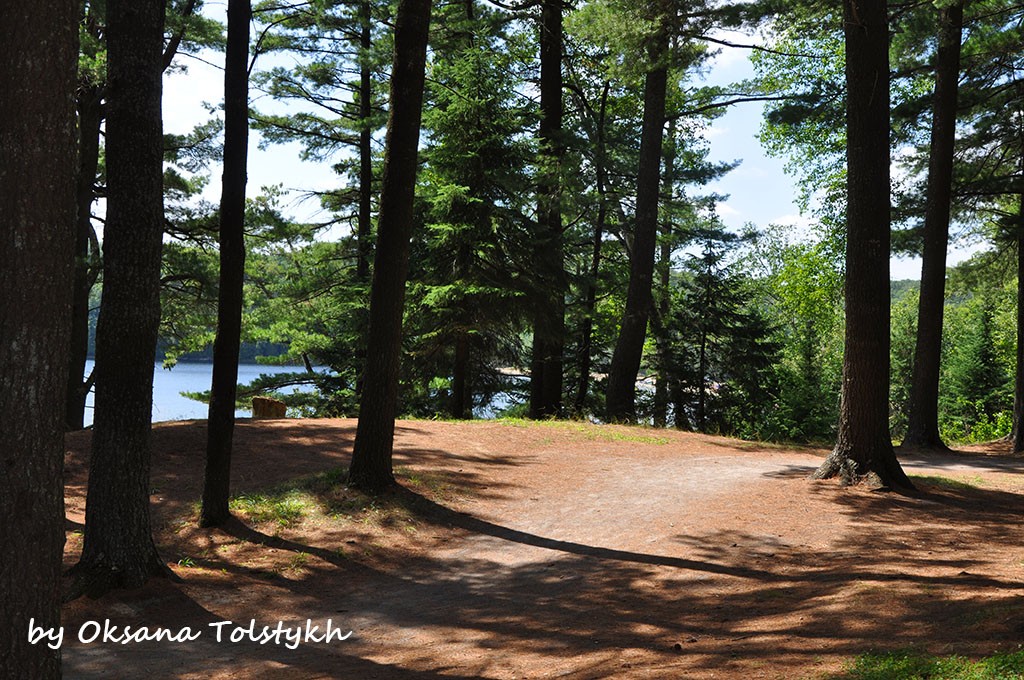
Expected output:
(469, 303)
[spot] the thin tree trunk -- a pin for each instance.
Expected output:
(702, 383)
(364, 228)
(118, 548)
(1018, 385)
(863, 449)
(549, 313)
(660, 318)
(39, 51)
(90, 117)
(620, 401)
(460, 378)
(221, 420)
(590, 305)
(923, 421)
(371, 467)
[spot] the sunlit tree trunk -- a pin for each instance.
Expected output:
(863, 449)
(923, 421)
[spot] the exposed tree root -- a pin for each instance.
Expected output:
(98, 577)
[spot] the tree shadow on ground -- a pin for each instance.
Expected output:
(938, 570)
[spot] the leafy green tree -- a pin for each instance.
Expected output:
(721, 351)
(801, 290)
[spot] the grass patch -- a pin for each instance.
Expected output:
(325, 495)
(588, 431)
(284, 508)
(915, 666)
(949, 482)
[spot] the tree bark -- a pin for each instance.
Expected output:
(221, 419)
(371, 467)
(923, 421)
(549, 312)
(660, 317)
(90, 117)
(590, 303)
(118, 549)
(620, 400)
(38, 50)
(1018, 383)
(864, 450)
(460, 400)
(364, 229)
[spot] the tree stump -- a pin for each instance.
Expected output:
(265, 408)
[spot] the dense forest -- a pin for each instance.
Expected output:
(519, 225)
(734, 319)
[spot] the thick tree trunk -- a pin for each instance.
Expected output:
(590, 303)
(371, 467)
(221, 421)
(620, 404)
(39, 51)
(923, 423)
(118, 549)
(863, 449)
(549, 312)
(90, 117)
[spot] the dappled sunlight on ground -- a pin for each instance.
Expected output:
(540, 550)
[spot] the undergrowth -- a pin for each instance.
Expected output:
(916, 666)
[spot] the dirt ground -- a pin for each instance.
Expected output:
(557, 550)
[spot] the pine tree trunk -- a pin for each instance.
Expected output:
(923, 422)
(221, 421)
(364, 228)
(90, 116)
(590, 303)
(39, 51)
(549, 312)
(118, 549)
(460, 408)
(664, 275)
(620, 400)
(1018, 383)
(371, 467)
(863, 449)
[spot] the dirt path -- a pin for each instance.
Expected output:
(564, 550)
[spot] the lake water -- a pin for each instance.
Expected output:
(168, 384)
